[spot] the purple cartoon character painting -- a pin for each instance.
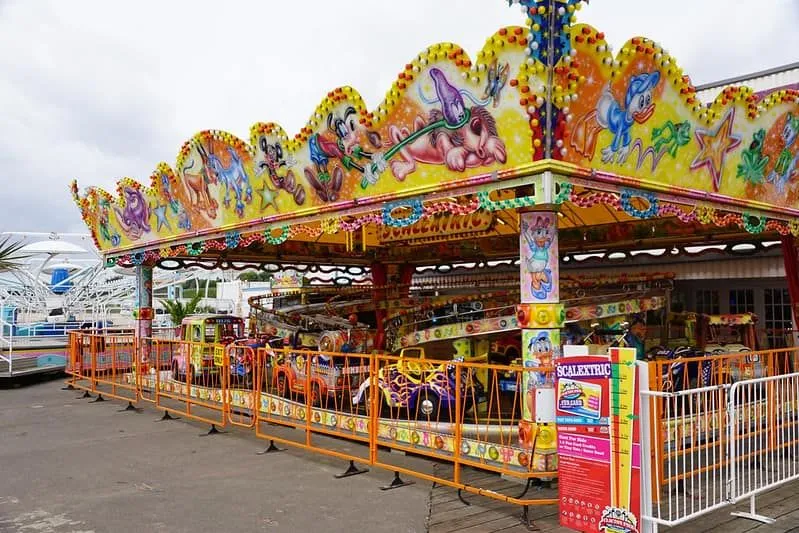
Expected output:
(134, 217)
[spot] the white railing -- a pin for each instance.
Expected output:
(6, 339)
(688, 469)
(763, 448)
(707, 448)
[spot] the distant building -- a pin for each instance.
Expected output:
(763, 82)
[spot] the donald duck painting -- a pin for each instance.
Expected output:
(611, 115)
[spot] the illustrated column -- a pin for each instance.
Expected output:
(540, 317)
(144, 314)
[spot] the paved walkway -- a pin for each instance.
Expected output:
(67, 465)
(70, 466)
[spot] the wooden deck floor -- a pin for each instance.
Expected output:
(447, 514)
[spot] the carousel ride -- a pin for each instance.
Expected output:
(544, 145)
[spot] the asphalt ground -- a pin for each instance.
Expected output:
(69, 466)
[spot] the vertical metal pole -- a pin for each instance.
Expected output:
(144, 316)
(550, 67)
(732, 428)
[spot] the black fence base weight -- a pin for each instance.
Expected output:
(271, 449)
(131, 407)
(86, 394)
(167, 416)
(98, 399)
(351, 470)
(68, 387)
(212, 431)
(396, 483)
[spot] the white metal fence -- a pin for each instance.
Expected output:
(710, 447)
(763, 443)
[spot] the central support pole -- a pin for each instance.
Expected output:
(144, 317)
(379, 279)
(540, 317)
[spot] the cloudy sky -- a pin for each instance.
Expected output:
(97, 90)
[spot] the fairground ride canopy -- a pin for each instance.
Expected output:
(545, 114)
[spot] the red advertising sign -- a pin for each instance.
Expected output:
(598, 452)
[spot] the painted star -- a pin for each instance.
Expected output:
(268, 197)
(714, 145)
(160, 215)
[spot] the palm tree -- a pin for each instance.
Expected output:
(9, 256)
(177, 310)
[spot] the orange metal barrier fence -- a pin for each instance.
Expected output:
(355, 407)
(361, 408)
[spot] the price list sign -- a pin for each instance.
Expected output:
(598, 452)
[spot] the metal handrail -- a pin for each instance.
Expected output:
(460, 318)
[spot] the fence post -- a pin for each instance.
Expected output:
(645, 428)
(732, 450)
(733, 493)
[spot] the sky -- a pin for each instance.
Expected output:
(98, 90)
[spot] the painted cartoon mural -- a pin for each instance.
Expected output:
(539, 257)
(541, 348)
(785, 166)
(453, 134)
(134, 216)
(448, 118)
(281, 174)
(342, 144)
(642, 113)
(617, 118)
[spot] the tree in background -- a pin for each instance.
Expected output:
(9, 255)
(178, 310)
(255, 276)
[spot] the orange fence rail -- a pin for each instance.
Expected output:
(361, 408)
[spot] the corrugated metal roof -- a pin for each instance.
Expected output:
(747, 267)
(763, 82)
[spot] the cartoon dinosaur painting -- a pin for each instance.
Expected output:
(617, 118)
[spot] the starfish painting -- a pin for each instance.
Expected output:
(714, 145)
(268, 197)
(160, 215)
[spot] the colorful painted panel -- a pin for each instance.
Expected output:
(539, 257)
(404, 434)
(635, 114)
(633, 118)
(446, 118)
(540, 348)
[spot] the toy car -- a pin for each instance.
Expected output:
(203, 352)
